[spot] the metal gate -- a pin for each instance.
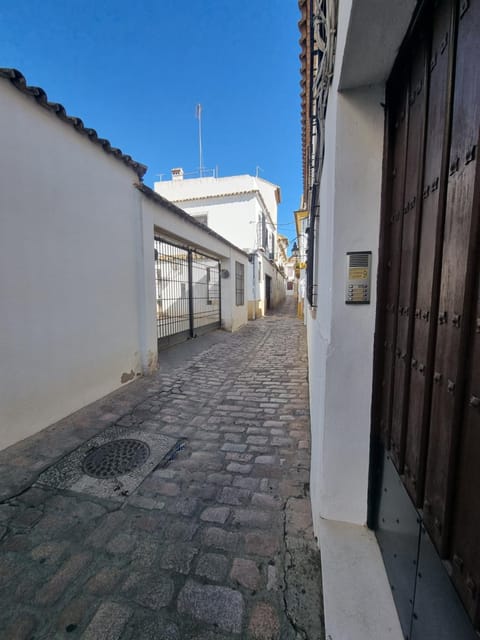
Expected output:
(426, 412)
(188, 292)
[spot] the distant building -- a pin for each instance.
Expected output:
(243, 209)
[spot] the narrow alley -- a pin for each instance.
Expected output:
(207, 535)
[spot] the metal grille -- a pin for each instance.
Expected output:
(188, 292)
(205, 289)
(116, 458)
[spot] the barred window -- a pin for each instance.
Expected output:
(239, 284)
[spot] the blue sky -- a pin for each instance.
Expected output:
(134, 70)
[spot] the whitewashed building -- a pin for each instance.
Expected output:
(390, 117)
(79, 283)
(242, 209)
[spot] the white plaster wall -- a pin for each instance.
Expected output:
(70, 270)
(200, 187)
(234, 218)
(350, 361)
(231, 216)
(340, 336)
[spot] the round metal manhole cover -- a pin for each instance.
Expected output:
(116, 458)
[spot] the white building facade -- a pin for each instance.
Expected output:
(390, 120)
(243, 209)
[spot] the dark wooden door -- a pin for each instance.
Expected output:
(430, 245)
(427, 377)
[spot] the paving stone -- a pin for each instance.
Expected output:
(260, 544)
(219, 606)
(266, 501)
(177, 557)
(105, 529)
(26, 519)
(152, 627)
(239, 457)
(21, 628)
(233, 447)
(75, 614)
(255, 448)
(7, 512)
(253, 518)
(246, 483)
(266, 460)
(220, 478)
(183, 506)
(145, 552)
(213, 566)
(108, 622)
(224, 501)
(165, 488)
(49, 552)
(203, 491)
(257, 440)
(234, 496)
(236, 467)
(215, 537)
(121, 543)
(168, 474)
(233, 437)
(103, 581)
(153, 522)
(54, 588)
(143, 502)
(264, 623)
(158, 594)
(278, 441)
(246, 573)
(272, 583)
(215, 514)
(207, 435)
(181, 530)
(18, 542)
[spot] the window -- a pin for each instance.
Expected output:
(239, 284)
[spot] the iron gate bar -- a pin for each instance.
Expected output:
(188, 292)
(190, 296)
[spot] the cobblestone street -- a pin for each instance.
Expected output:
(216, 541)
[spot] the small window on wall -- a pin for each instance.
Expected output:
(239, 284)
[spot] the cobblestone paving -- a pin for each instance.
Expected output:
(215, 544)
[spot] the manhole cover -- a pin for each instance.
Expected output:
(115, 458)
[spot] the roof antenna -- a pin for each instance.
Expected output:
(257, 170)
(198, 115)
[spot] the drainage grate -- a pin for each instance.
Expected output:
(116, 458)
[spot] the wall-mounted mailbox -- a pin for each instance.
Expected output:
(357, 290)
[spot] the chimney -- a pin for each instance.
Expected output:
(177, 174)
